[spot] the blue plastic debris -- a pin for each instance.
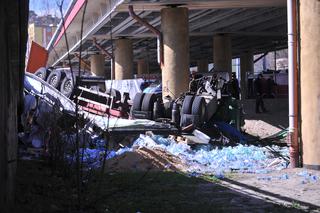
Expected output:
(285, 177)
(307, 177)
(123, 150)
(265, 178)
(203, 160)
(219, 175)
(227, 128)
(241, 158)
(93, 157)
(314, 178)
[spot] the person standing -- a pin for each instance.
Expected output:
(259, 97)
(234, 83)
(270, 87)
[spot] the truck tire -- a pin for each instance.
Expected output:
(67, 86)
(187, 104)
(137, 102)
(148, 102)
(54, 79)
(115, 94)
(41, 73)
(199, 108)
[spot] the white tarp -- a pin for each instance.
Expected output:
(131, 86)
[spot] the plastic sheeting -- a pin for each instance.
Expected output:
(94, 157)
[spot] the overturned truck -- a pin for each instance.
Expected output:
(210, 99)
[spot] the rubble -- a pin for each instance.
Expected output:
(210, 160)
(198, 154)
(205, 159)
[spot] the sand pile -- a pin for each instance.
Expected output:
(260, 128)
(144, 159)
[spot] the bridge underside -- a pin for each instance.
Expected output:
(256, 26)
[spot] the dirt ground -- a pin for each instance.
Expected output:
(265, 124)
(40, 190)
(287, 186)
(154, 181)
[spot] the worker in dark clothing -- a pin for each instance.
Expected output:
(193, 85)
(214, 81)
(234, 83)
(270, 87)
(259, 98)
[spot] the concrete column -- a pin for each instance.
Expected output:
(97, 65)
(142, 67)
(123, 59)
(310, 78)
(222, 55)
(175, 29)
(202, 65)
(246, 66)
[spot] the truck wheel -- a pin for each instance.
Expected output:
(199, 108)
(137, 102)
(187, 104)
(67, 86)
(41, 73)
(114, 93)
(148, 102)
(54, 78)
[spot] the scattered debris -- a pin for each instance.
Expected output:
(205, 159)
(196, 153)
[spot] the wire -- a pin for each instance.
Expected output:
(79, 173)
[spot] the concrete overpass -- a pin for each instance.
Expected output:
(256, 26)
(200, 32)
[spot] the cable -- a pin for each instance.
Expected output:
(79, 173)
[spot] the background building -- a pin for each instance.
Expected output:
(42, 28)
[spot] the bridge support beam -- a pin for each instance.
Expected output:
(202, 65)
(142, 67)
(97, 65)
(123, 59)
(175, 72)
(246, 66)
(222, 53)
(310, 78)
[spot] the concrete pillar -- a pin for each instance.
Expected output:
(175, 30)
(246, 66)
(142, 67)
(202, 65)
(123, 59)
(310, 78)
(97, 65)
(222, 53)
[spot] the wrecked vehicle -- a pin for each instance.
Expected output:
(208, 98)
(46, 107)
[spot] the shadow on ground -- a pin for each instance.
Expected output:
(40, 190)
(277, 114)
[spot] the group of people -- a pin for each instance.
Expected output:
(234, 89)
(258, 88)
